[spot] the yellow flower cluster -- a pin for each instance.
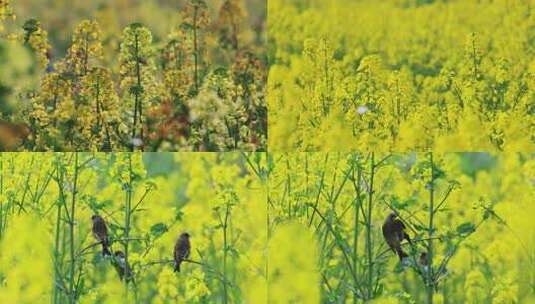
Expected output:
(178, 64)
(5, 12)
(37, 38)
(99, 97)
(86, 47)
(51, 108)
(293, 266)
(25, 264)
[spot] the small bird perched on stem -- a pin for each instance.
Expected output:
(182, 250)
(123, 269)
(100, 231)
(394, 233)
(424, 261)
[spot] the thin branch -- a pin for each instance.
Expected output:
(329, 227)
(379, 163)
(81, 252)
(81, 167)
(450, 189)
(147, 190)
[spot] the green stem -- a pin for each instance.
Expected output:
(97, 98)
(369, 228)
(86, 52)
(137, 101)
(56, 252)
(195, 50)
(326, 75)
(72, 298)
(289, 188)
(1, 194)
(356, 227)
(225, 225)
(474, 56)
(128, 214)
(430, 231)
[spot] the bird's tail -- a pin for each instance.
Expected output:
(105, 250)
(407, 237)
(401, 254)
(177, 267)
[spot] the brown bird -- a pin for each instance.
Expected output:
(100, 231)
(182, 250)
(423, 259)
(123, 269)
(394, 233)
(13, 135)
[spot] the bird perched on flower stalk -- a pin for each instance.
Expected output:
(122, 267)
(424, 260)
(182, 250)
(100, 231)
(394, 233)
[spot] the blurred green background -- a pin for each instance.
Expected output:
(59, 17)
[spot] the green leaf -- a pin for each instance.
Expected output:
(95, 204)
(466, 228)
(179, 215)
(186, 26)
(220, 71)
(151, 185)
(419, 227)
(380, 290)
(135, 25)
(233, 252)
(158, 229)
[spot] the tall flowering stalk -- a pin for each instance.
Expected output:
(101, 103)
(6, 11)
(37, 39)
(231, 15)
(137, 75)
(86, 48)
(50, 109)
(196, 18)
(176, 63)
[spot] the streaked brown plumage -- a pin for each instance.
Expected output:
(182, 250)
(100, 231)
(394, 233)
(123, 269)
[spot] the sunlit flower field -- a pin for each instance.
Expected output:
(401, 75)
